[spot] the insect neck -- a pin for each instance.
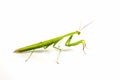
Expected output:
(72, 33)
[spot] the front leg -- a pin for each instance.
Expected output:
(75, 43)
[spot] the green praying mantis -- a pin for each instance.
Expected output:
(45, 44)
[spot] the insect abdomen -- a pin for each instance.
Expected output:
(30, 47)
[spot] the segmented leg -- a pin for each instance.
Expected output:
(29, 56)
(58, 48)
(75, 43)
(33, 51)
(45, 47)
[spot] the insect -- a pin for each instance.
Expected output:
(45, 44)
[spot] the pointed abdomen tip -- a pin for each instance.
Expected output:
(16, 51)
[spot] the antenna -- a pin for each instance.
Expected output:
(86, 25)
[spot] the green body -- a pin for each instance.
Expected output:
(47, 43)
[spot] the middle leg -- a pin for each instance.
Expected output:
(58, 48)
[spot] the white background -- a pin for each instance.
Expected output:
(25, 22)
